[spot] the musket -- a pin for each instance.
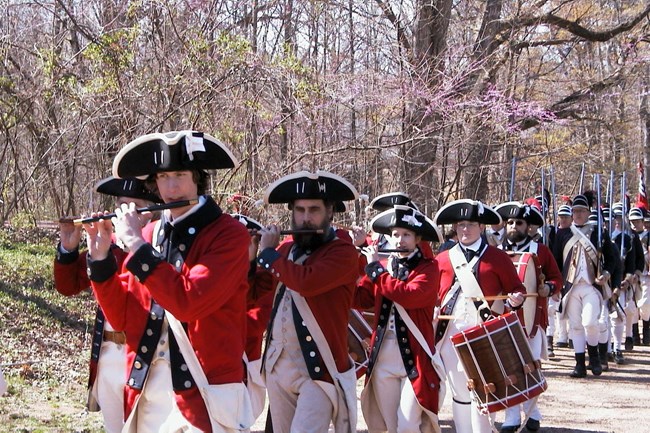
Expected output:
(544, 236)
(553, 194)
(623, 202)
(599, 241)
(610, 193)
(582, 178)
(513, 172)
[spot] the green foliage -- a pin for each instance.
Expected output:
(232, 49)
(48, 336)
(110, 57)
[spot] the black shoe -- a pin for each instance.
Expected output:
(618, 357)
(570, 343)
(580, 370)
(509, 429)
(635, 334)
(532, 424)
(594, 360)
(646, 339)
(629, 344)
(562, 344)
(610, 356)
(551, 354)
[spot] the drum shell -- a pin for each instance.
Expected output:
(528, 270)
(359, 335)
(498, 363)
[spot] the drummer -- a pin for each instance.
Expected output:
(518, 218)
(402, 386)
(484, 271)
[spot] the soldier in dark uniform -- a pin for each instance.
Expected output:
(587, 266)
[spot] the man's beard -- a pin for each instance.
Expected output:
(310, 241)
(516, 236)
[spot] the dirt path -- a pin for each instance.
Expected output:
(616, 402)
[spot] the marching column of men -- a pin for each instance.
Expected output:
(217, 311)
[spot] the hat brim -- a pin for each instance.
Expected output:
(249, 222)
(466, 210)
(173, 151)
(130, 187)
(385, 222)
(387, 201)
(321, 185)
(514, 209)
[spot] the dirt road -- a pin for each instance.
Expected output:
(616, 402)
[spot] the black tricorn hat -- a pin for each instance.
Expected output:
(249, 222)
(339, 206)
(129, 187)
(171, 151)
(408, 218)
(466, 210)
(390, 199)
(321, 185)
(526, 212)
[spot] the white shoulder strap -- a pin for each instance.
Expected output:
(468, 283)
(413, 328)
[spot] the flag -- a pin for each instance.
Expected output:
(642, 199)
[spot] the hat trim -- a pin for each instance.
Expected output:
(170, 141)
(312, 176)
(468, 201)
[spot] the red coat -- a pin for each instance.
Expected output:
(71, 278)
(553, 276)
(327, 280)
(418, 296)
(258, 312)
(208, 294)
(496, 274)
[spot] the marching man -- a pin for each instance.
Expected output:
(469, 272)
(518, 218)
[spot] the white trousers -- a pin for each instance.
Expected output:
(529, 407)
(108, 388)
(644, 299)
(583, 309)
(298, 404)
(156, 411)
(556, 322)
(466, 414)
(618, 320)
(393, 391)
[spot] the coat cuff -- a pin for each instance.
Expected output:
(266, 258)
(374, 269)
(66, 257)
(101, 270)
(143, 261)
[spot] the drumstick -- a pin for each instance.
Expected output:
(501, 297)
(446, 317)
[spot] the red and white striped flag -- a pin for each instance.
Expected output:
(642, 198)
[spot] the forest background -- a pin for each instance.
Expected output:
(432, 97)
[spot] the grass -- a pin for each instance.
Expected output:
(48, 336)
